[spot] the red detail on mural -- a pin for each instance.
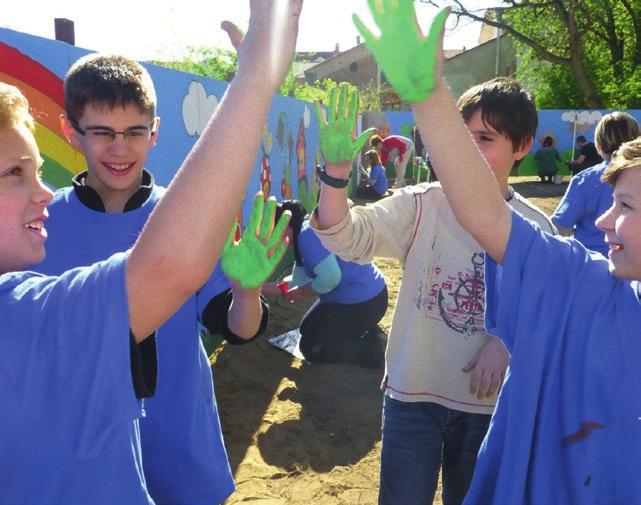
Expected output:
(29, 71)
(300, 151)
(265, 176)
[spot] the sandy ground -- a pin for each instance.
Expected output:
(305, 434)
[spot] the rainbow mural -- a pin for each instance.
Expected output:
(44, 91)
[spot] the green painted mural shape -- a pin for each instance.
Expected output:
(401, 46)
(248, 261)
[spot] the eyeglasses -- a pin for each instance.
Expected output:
(101, 135)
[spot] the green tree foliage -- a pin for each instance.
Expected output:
(221, 64)
(572, 53)
(209, 62)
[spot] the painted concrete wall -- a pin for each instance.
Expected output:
(285, 162)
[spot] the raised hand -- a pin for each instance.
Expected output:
(411, 62)
(252, 259)
(270, 40)
(337, 133)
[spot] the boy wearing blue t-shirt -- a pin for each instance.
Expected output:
(68, 404)
(587, 196)
(184, 458)
(566, 425)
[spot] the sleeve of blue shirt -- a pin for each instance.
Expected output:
(320, 265)
(328, 275)
(572, 206)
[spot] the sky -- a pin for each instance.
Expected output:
(163, 29)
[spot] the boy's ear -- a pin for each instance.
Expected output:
(69, 131)
(153, 138)
(525, 148)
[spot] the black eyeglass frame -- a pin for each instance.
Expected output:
(125, 133)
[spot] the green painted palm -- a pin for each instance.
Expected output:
(248, 261)
(407, 58)
(336, 134)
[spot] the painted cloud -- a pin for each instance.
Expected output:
(198, 107)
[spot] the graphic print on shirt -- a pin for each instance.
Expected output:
(457, 300)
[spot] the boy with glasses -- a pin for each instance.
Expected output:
(110, 106)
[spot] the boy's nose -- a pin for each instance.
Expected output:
(42, 195)
(605, 221)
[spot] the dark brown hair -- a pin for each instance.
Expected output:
(108, 81)
(505, 106)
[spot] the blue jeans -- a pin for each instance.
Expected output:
(419, 438)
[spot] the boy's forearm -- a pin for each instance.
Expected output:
(470, 186)
(332, 206)
(185, 234)
(189, 225)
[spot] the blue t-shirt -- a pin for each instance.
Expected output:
(377, 174)
(358, 282)
(68, 410)
(567, 425)
(584, 201)
(183, 452)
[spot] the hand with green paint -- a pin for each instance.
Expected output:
(252, 259)
(411, 62)
(337, 133)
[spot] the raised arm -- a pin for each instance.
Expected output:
(183, 238)
(469, 184)
(339, 149)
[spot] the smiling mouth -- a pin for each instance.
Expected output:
(118, 168)
(38, 227)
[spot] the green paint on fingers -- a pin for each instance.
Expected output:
(408, 59)
(248, 261)
(337, 133)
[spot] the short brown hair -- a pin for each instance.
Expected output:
(505, 106)
(613, 130)
(108, 81)
(627, 156)
(375, 140)
(14, 108)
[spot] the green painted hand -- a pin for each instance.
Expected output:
(337, 133)
(408, 59)
(248, 261)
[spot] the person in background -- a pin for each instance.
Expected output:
(341, 326)
(374, 184)
(546, 158)
(396, 148)
(587, 196)
(588, 156)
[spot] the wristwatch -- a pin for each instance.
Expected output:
(334, 182)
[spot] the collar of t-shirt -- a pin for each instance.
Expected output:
(89, 197)
(509, 194)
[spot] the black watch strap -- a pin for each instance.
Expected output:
(334, 182)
